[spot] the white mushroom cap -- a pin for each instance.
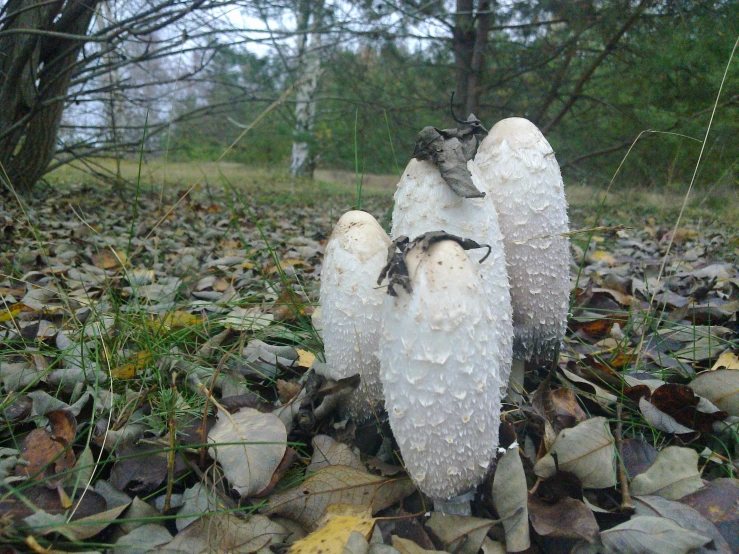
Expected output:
(522, 177)
(352, 304)
(425, 203)
(441, 365)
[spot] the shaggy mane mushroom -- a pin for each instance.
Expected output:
(442, 357)
(522, 177)
(351, 307)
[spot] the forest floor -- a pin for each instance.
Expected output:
(129, 321)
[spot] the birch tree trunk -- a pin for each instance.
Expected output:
(309, 70)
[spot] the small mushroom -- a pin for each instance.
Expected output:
(522, 177)
(351, 307)
(442, 356)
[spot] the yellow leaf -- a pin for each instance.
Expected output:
(129, 370)
(727, 360)
(109, 258)
(246, 264)
(220, 285)
(332, 537)
(603, 256)
(9, 313)
(284, 264)
(178, 320)
(305, 358)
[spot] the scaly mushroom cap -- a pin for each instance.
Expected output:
(522, 177)
(425, 203)
(441, 363)
(352, 304)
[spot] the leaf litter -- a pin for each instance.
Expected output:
(144, 364)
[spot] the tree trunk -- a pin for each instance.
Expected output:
(35, 73)
(309, 70)
(463, 44)
(112, 106)
(470, 43)
(474, 83)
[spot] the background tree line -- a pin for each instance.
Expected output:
(87, 78)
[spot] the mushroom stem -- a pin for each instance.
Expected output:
(515, 382)
(457, 506)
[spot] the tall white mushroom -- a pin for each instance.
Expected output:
(424, 202)
(522, 177)
(352, 305)
(441, 364)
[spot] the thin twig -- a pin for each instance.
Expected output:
(626, 504)
(172, 451)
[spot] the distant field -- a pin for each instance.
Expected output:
(633, 205)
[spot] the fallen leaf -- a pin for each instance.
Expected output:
(510, 496)
(587, 450)
(489, 546)
(721, 387)
(638, 456)
(727, 360)
(660, 420)
(568, 518)
(651, 534)
(567, 409)
(673, 474)
(221, 532)
(602, 256)
(109, 258)
(679, 235)
(305, 358)
(406, 546)
(10, 312)
(39, 498)
(82, 472)
(563, 485)
(594, 325)
(287, 390)
(196, 501)
(685, 516)
(289, 262)
(288, 306)
(180, 320)
(143, 539)
(49, 453)
(251, 319)
(307, 502)
(702, 350)
(459, 534)
(87, 527)
(141, 467)
(258, 444)
(600, 395)
(718, 502)
(129, 370)
(680, 403)
(333, 536)
(691, 335)
(328, 452)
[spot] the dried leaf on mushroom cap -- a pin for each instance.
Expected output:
(450, 150)
(396, 269)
